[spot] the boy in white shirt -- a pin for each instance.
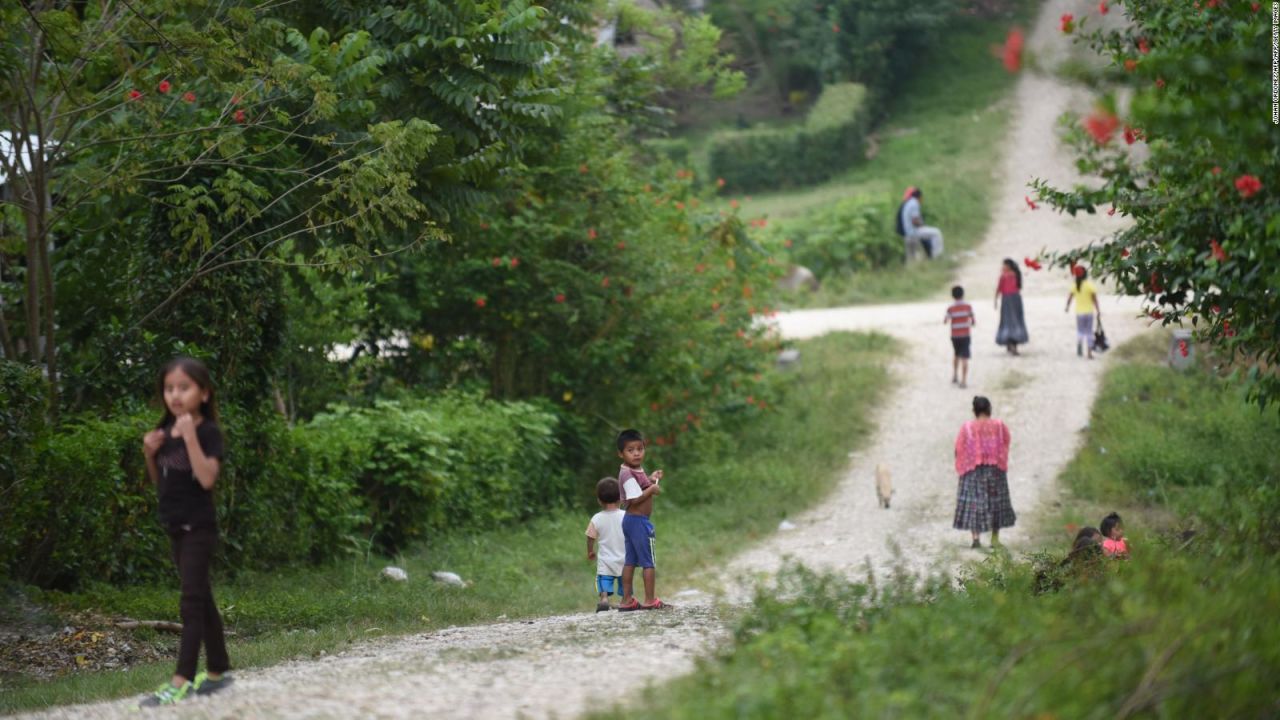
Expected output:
(605, 543)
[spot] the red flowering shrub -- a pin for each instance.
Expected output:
(1011, 53)
(1196, 97)
(1248, 185)
(1101, 125)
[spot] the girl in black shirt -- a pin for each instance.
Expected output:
(184, 455)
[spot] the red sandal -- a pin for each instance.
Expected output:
(628, 607)
(657, 604)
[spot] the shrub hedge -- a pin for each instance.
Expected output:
(351, 479)
(848, 236)
(829, 142)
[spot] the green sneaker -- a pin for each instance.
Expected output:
(205, 685)
(166, 694)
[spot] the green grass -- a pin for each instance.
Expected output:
(944, 132)
(738, 490)
(1186, 628)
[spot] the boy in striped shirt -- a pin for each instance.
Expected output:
(960, 315)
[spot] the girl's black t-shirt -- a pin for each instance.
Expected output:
(182, 499)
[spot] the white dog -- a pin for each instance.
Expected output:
(884, 485)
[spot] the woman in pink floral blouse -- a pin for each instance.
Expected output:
(982, 462)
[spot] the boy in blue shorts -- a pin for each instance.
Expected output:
(638, 491)
(605, 543)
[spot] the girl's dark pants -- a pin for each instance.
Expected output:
(192, 552)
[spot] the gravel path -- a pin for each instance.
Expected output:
(556, 666)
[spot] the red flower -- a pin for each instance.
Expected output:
(515, 262)
(1124, 253)
(751, 400)
(1160, 83)
(1130, 65)
(700, 267)
(787, 242)
(480, 302)
(1112, 211)
(1215, 309)
(1255, 6)
(1226, 326)
(719, 182)
(497, 261)
(1102, 8)
(733, 204)
(835, 28)
(742, 333)
(1143, 46)
(1030, 203)
(1011, 53)
(1248, 185)
(584, 169)
(163, 87)
(559, 297)
(1155, 286)
(1216, 170)
(592, 234)
(1031, 263)
(135, 95)
(605, 281)
(715, 305)
(621, 246)
(189, 96)
(1101, 124)
(1130, 135)
(1155, 314)
(679, 205)
(239, 116)
(1216, 250)
(1067, 22)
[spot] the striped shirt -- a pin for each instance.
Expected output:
(960, 315)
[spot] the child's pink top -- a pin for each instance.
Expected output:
(982, 442)
(1008, 283)
(1114, 547)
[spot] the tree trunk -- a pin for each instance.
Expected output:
(33, 284)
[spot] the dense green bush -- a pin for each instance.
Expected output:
(1180, 638)
(390, 474)
(829, 142)
(22, 407)
(674, 149)
(454, 461)
(848, 236)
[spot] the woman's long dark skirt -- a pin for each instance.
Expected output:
(1013, 326)
(982, 502)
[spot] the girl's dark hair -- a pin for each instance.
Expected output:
(1108, 523)
(981, 406)
(1086, 537)
(1081, 273)
(1017, 273)
(198, 372)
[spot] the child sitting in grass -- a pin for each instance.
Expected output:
(1113, 544)
(605, 543)
(638, 490)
